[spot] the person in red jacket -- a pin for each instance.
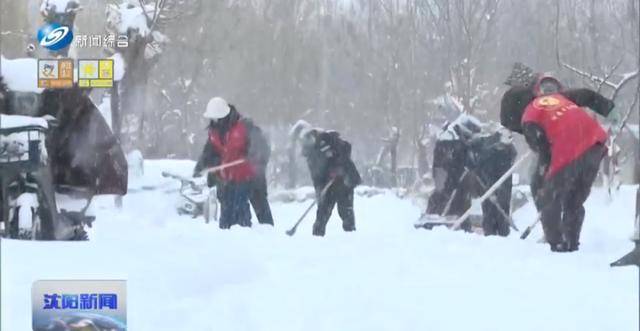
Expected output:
(570, 144)
(229, 138)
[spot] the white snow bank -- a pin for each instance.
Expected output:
(20, 75)
(14, 121)
(28, 202)
(185, 275)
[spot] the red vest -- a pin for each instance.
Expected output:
(233, 147)
(570, 130)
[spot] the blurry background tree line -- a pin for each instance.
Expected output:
(360, 67)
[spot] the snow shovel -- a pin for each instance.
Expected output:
(527, 232)
(493, 200)
(222, 167)
(428, 221)
(492, 189)
(292, 231)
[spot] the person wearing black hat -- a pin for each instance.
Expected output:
(570, 144)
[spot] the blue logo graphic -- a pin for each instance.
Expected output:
(55, 36)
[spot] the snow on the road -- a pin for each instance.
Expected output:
(20, 75)
(185, 275)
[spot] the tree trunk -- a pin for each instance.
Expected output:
(116, 118)
(291, 166)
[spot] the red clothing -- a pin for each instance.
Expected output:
(570, 130)
(233, 147)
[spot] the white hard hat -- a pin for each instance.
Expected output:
(217, 108)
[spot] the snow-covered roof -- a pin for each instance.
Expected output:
(14, 121)
(57, 6)
(20, 75)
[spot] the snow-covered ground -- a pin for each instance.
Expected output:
(185, 275)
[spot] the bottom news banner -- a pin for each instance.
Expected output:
(79, 305)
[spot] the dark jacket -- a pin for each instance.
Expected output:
(82, 149)
(328, 156)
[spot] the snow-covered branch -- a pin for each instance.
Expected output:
(597, 80)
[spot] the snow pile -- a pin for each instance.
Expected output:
(464, 122)
(28, 202)
(301, 194)
(57, 6)
(20, 75)
(119, 67)
(129, 16)
(14, 121)
(186, 275)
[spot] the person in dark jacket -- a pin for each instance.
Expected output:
(570, 145)
(329, 160)
(228, 141)
(468, 160)
(492, 156)
(258, 153)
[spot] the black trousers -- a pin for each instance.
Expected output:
(339, 194)
(560, 199)
(494, 222)
(234, 205)
(259, 200)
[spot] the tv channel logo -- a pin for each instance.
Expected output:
(54, 36)
(79, 305)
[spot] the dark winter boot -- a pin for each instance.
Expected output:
(345, 210)
(572, 246)
(348, 227)
(243, 210)
(551, 217)
(573, 229)
(319, 229)
(560, 248)
(259, 200)
(573, 219)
